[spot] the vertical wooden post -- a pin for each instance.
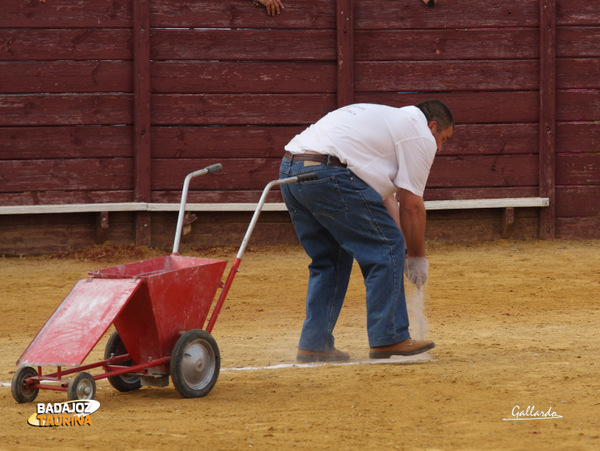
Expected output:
(141, 117)
(345, 52)
(547, 123)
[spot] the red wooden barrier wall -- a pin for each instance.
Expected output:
(104, 101)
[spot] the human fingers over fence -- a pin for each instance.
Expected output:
(273, 7)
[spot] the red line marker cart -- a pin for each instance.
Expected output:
(159, 308)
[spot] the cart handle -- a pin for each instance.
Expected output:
(299, 178)
(236, 264)
(186, 185)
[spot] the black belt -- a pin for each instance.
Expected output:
(324, 159)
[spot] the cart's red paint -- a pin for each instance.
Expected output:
(159, 308)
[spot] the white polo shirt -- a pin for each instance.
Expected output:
(387, 147)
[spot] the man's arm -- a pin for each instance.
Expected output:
(412, 222)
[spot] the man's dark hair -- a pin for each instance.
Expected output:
(436, 110)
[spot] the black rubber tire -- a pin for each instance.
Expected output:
(82, 386)
(18, 386)
(122, 382)
(195, 363)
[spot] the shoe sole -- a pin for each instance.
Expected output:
(388, 354)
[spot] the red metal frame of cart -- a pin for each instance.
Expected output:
(159, 308)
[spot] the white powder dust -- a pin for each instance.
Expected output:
(415, 304)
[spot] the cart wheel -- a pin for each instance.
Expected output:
(195, 363)
(20, 391)
(82, 386)
(122, 382)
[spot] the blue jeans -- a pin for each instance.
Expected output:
(339, 218)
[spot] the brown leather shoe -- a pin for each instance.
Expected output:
(406, 347)
(333, 355)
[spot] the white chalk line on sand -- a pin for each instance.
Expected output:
(421, 358)
(393, 360)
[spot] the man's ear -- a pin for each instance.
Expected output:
(433, 126)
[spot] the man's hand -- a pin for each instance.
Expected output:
(273, 6)
(416, 270)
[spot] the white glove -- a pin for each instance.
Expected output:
(416, 269)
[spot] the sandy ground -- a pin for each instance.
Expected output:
(515, 323)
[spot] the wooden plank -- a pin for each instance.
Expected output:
(57, 197)
(474, 171)
(578, 73)
(197, 207)
(376, 14)
(141, 118)
(316, 14)
(578, 201)
(112, 109)
(65, 109)
(254, 173)
(35, 234)
(241, 77)
(578, 137)
(237, 109)
(431, 194)
(25, 236)
(410, 76)
(577, 12)
(165, 13)
(345, 52)
(226, 229)
(470, 107)
(460, 204)
(229, 228)
(102, 226)
(87, 174)
(484, 171)
(65, 13)
(577, 105)
(141, 100)
(577, 228)
(233, 45)
(65, 76)
(492, 139)
(65, 142)
(39, 239)
(237, 174)
(215, 196)
(469, 204)
(220, 142)
(547, 127)
(65, 44)
(267, 141)
(578, 169)
(508, 222)
(446, 44)
(573, 42)
(482, 225)
(451, 193)
(62, 197)
(72, 208)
